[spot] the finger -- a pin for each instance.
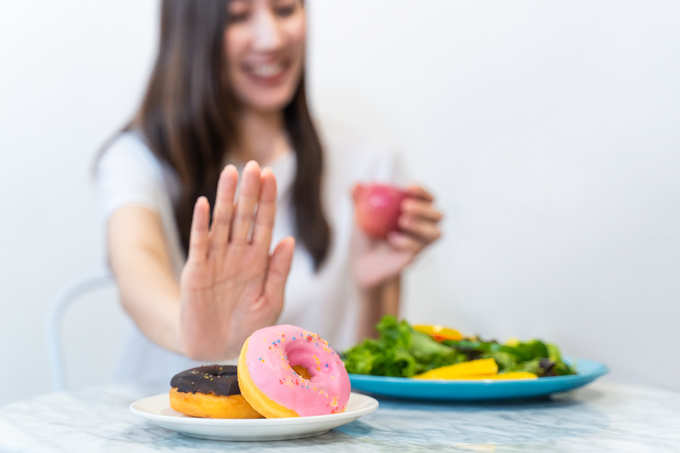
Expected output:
(423, 229)
(266, 210)
(404, 242)
(198, 240)
(419, 192)
(224, 210)
(418, 208)
(279, 267)
(247, 200)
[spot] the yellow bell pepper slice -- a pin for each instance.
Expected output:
(473, 368)
(515, 375)
(438, 333)
(512, 342)
(509, 376)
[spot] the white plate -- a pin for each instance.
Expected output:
(157, 410)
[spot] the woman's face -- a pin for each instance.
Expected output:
(265, 47)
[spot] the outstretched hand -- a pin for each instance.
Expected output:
(231, 284)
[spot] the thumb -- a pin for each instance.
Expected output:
(279, 268)
(357, 190)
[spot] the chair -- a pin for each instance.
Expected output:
(63, 301)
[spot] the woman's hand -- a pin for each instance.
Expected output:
(381, 260)
(231, 285)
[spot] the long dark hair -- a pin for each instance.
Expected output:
(188, 119)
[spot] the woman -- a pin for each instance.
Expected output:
(228, 88)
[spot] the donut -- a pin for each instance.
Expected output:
(286, 371)
(211, 392)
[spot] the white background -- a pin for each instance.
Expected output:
(549, 133)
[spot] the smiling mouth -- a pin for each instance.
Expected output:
(267, 73)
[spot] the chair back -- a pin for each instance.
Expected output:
(64, 301)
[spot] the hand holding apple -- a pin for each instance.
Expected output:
(398, 224)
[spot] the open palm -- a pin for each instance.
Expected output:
(231, 284)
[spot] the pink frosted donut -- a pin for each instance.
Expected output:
(270, 384)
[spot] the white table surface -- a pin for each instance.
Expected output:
(601, 417)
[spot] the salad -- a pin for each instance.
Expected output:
(434, 352)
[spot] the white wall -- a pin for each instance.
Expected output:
(547, 132)
(550, 133)
(70, 73)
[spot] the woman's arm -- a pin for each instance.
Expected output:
(380, 263)
(376, 302)
(140, 261)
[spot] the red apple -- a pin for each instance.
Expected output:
(377, 208)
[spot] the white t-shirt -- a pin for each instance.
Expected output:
(326, 302)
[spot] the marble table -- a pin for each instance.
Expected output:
(600, 417)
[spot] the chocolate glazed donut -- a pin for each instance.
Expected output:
(216, 379)
(209, 391)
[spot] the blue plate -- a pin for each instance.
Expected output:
(587, 370)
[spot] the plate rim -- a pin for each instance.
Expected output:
(372, 405)
(600, 371)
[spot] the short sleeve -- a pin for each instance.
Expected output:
(129, 174)
(355, 158)
(387, 166)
